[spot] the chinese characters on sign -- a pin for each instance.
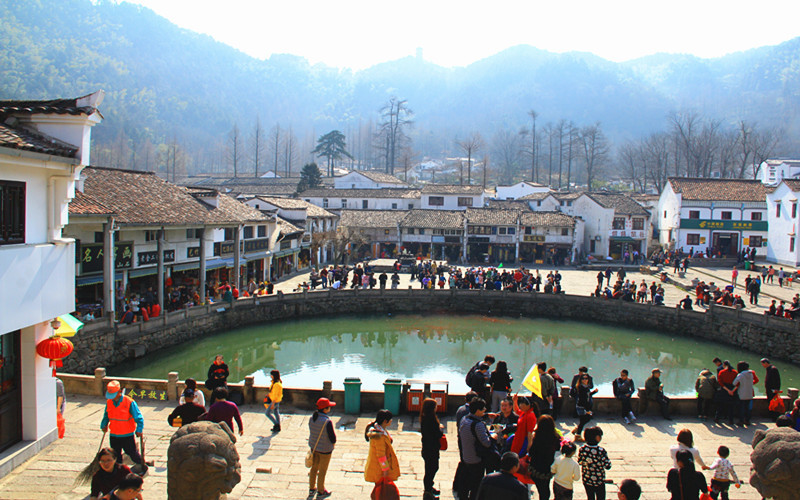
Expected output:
(91, 256)
(145, 394)
(146, 258)
(728, 225)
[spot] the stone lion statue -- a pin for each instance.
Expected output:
(776, 463)
(202, 462)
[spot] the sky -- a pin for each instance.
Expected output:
(357, 34)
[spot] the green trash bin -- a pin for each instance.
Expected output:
(352, 396)
(391, 395)
(747, 265)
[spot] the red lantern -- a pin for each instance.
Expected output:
(55, 349)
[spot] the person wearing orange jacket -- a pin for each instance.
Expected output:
(122, 419)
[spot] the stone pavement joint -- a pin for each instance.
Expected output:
(638, 451)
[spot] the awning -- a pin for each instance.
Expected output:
(69, 326)
(284, 253)
(94, 279)
(146, 271)
(186, 266)
(624, 239)
(216, 264)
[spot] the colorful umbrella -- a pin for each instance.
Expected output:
(69, 326)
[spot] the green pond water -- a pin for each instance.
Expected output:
(439, 347)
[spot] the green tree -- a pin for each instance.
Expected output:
(333, 147)
(310, 177)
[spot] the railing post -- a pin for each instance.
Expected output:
(99, 375)
(172, 386)
(248, 389)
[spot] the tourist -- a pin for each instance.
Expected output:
(683, 482)
(743, 385)
(794, 415)
(431, 431)
(503, 484)
(395, 280)
(545, 443)
(583, 405)
(734, 275)
(472, 433)
(706, 387)
(381, 461)
(505, 423)
(187, 412)
(726, 399)
(128, 317)
(382, 280)
(130, 488)
(547, 384)
(565, 472)
(500, 384)
(217, 374)
(754, 289)
(685, 303)
(624, 387)
(321, 441)
(723, 473)
(594, 462)
(526, 424)
(654, 391)
(573, 391)
(686, 443)
(557, 399)
(772, 381)
(629, 489)
(274, 399)
(122, 419)
(477, 381)
(223, 410)
(199, 397)
(109, 475)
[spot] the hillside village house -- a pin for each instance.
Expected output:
(436, 234)
(722, 216)
(370, 233)
(614, 224)
(368, 179)
(550, 237)
(520, 189)
(318, 223)
(452, 197)
(363, 199)
(772, 172)
(784, 222)
(44, 145)
(164, 236)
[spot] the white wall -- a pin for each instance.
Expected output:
(38, 384)
(548, 204)
(781, 227)
(519, 190)
(451, 202)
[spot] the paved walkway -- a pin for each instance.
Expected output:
(637, 451)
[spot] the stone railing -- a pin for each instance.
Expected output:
(107, 346)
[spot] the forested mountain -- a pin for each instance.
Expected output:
(164, 83)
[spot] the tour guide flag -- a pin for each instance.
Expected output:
(532, 382)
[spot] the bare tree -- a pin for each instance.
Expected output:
(572, 134)
(471, 145)
(765, 143)
(291, 152)
(257, 145)
(559, 128)
(396, 117)
(275, 148)
(505, 151)
(534, 172)
(634, 167)
(656, 154)
(594, 149)
(234, 149)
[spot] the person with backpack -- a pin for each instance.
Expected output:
(478, 379)
(475, 447)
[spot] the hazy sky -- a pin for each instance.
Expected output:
(358, 34)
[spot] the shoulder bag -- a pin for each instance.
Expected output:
(310, 454)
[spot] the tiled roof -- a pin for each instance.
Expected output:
(372, 218)
(287, 227)
(18, 137)
(435, 219)
(53, 106)
(228, 209)
(793, 184)
(254, 186)
(621, 203)
(451, 189)
(719, 189)
(361, 193)
(574, 195)
(296, 204)
(492, 216)
(546, 219)
(383, 177)
(535, 196)
(519, 204)
(83, 204)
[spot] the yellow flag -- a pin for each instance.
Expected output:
(532, 381)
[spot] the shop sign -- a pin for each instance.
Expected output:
(479, 239)
(621, 233)
(452, 239)
(437, 239)
(256, 245)
(725, 225)
(223, 248)
(192, 252)
(533, 238)
(285, 245)
(146, 258)
(92, 257)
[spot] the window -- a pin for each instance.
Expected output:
(324, 202)
(436, 201)
(344, 203)
(151, 235)
(98, 236)
(778, 209)
(592, 246)
(665, 214)
(564, 231)
(364, 204)
(411, 230)
(502, 230)
(464, 201)
(262, 231)
(394, 206)
(230, 233)
(411, 206)
(538, 203)
(12, 212)
(528, 230)
(512, 230)
(618, 223)
(248, 232)
(694, 214)
(726, 215)
(755, 241)
(638, 224)
(421, 230)
(755, 216)
(794, 210)
(192, 234)
(692, 239)
(791, 244)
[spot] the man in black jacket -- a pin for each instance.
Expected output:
(503, 485)
(772, 382)
(188, 412)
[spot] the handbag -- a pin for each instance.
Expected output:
(385, 489)
(776, 404)
(310, 454)
(443, 443)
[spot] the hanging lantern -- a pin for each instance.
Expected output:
(55, 349)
